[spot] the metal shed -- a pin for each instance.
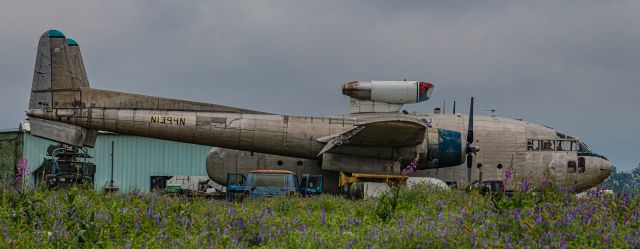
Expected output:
(136, 159)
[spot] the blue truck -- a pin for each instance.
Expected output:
(271, 183)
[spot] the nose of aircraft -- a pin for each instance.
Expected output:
(605, 168)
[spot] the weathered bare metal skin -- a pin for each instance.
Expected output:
(65, 109)
(210, 124)
(503, 142)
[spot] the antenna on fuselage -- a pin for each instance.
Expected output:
(454, 107)
(493, 111)
(444, 107)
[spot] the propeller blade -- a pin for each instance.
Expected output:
(469, 166)
(470, 149)
(470, 130)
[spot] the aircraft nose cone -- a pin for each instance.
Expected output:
(605, 169)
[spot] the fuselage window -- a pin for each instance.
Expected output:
(574, 146)
(581, 164)
(571, 166)
(533, 145)
(563, 145)
(547, 145)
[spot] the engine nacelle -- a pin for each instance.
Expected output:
(442, 148)
(393, 92)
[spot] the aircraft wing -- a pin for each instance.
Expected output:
(392, 133)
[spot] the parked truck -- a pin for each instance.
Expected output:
(271, 183)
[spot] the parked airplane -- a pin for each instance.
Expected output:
(374, 138)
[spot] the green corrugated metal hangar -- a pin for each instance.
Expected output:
(136, 159)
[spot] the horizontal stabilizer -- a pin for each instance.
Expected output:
(64, 133)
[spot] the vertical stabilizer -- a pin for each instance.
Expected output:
(76, 65)
(58, 74)
(58, 77)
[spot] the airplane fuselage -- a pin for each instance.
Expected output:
(506, 144)
(379, 139)
(507, 152)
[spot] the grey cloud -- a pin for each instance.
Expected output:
(571, 65)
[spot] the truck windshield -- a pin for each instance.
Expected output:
(270, 180)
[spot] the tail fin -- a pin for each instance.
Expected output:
(59, 73)
(78, 73)
(58, 76)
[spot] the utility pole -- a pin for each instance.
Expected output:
(111, 188)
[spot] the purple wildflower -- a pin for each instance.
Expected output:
(524, 187)
(508, 174)
(408, 169)
(324, 216)
(23, 171)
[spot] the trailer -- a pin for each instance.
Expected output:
(364, 185)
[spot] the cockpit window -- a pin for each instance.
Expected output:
(574, 145)
(563, 145)
(583, 147)
(557, 145)
(548, 145)
(581, 165)
(533, 145)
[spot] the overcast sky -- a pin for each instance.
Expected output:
(574, 66)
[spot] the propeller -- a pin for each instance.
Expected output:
(471, 150)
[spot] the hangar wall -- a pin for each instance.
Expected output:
(10, 152)
(136, 159)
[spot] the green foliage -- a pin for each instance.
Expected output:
(623, 181)
(423, 217)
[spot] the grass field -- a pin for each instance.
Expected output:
(418, 218)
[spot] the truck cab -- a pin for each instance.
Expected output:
(235, 186)
(271, 183)
(311, 185)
